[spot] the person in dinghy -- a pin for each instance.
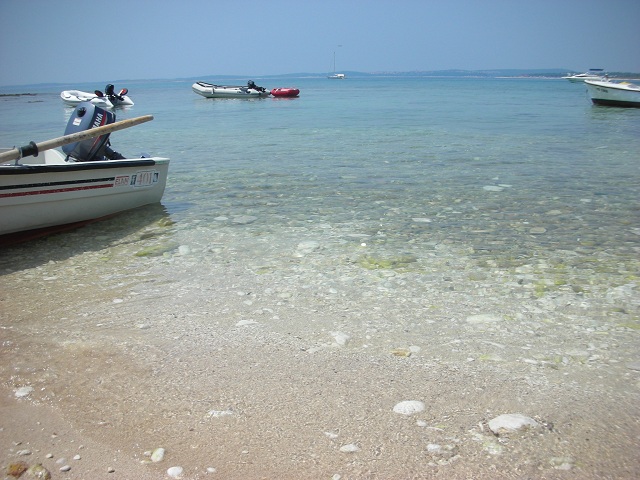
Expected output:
(251, 84)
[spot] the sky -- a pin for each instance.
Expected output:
(80, 41)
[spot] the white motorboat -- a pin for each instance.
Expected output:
(85, 183)
(616, 94)
(209, 90)
(109, 99)
(592, 74)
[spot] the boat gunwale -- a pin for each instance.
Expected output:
(22, 169)
(627, 87)
(210, 85)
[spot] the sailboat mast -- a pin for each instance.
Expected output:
(335, 75)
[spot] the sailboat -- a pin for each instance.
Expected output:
(336, 76)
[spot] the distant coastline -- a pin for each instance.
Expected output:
(456, 73)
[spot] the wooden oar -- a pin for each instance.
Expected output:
(33, 148)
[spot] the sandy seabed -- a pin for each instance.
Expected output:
(239, 375)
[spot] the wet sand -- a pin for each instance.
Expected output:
(252, 377)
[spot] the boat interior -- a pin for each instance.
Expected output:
(47, 157)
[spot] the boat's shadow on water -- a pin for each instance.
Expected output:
(137, 226)
(610, 114)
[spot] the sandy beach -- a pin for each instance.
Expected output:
(241, 372)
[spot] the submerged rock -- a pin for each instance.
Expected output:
(304, 248)
(395, 263)
(39, 472)
(510, 423)
(350, 448)
(23, 392)
(409, 407)
(175, 472)
(401, 352)
(156, 250)
(244, 219)
(157, 455)
(341, 338)
(633, 365)
(562, 463)
(17, 469)
(244, 323)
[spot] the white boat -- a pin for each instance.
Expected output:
(209, 90)
(616, 94)
(109, 99)
(592, 74)
(75, 97)
(53, 189)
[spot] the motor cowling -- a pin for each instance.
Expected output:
(85, 117)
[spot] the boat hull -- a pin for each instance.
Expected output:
(55, 192)
(614, 94)
(209, 90)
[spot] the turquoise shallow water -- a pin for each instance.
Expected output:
(469, 243)
(506, 169)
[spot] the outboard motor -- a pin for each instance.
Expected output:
(85, 117)
(114, 98)
(251, 84)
